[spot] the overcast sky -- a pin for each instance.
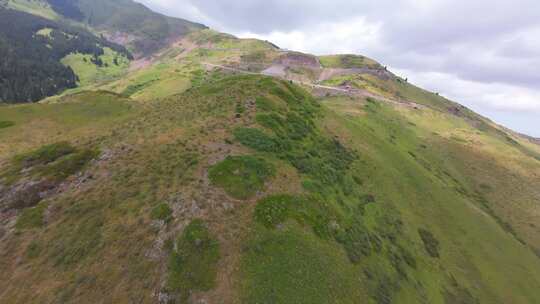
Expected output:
(484, 54)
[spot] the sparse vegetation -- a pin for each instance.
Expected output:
(79, 242)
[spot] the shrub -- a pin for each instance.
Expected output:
(162, 212)
(193, 266)
(297, 127)
(241, 176)
(358, 241)
(255, 139)
(430, 242)
(271, 121)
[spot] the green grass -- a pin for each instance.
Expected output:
(45, 155)
(78, 243)
(162, 212)
(193, 264)
(66, 118)
(255, 139)
(114, 66)
(241, 176)
(354, 182)
(347, 61)
(292, 266)
(274, 210)
(69, 165)
(35, 7)
(45, 32)
(6, 124)
(31, 218)
(54, 162)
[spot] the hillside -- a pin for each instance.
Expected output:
(32, 48)
(123, 21)
(226, 170)
(51, 46)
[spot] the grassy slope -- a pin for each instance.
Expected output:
(89, 73)
(454, 218)
(35, 7)
(473, 188)
(98, 243)
(82, 115)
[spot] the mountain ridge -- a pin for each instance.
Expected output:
(224, 170)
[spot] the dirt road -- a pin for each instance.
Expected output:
(352, 92)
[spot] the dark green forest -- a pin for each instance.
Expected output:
(30, 68)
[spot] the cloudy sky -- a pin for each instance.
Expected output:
(484, 54)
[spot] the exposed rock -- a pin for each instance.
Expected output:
(298, 59)
(26, 194)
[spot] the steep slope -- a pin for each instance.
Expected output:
(226, 170)
(123, 21)
(338, 200)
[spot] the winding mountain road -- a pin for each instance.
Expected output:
(353, 92)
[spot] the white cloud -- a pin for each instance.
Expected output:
(326, 38)
(494, 96)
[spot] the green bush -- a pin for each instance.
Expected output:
(193, 266)
(297, 127)
(309, 211)
(255, 139)
(271, 121)
(162, 212)
(358, 241)
(430, 242)
(241, 176)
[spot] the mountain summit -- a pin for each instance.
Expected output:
(149, 159)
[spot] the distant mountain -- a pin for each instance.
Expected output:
(32, 47)
(32, 68)
(126, 21)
